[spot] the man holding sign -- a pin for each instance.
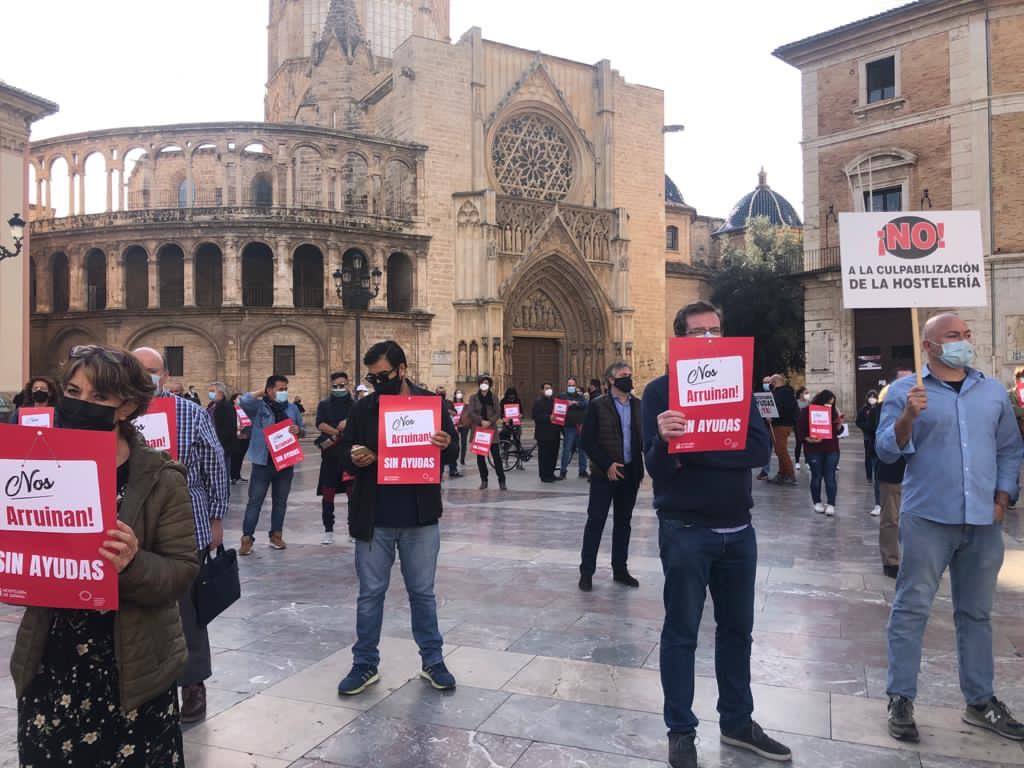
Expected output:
(703, 499)
(403, 517)
(959, 437)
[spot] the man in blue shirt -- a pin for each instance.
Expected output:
(959, 438)
(573, 424)
(706, 542)
(266, 408)
(613, 441)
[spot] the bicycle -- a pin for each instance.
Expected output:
(514, 455)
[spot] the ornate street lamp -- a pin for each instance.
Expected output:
(356, 287)
(17, 225)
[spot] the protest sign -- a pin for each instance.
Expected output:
(709, 383)
(459, 408)
(559, 411)
(35, 417)
(482, 441)
(284, 447)
(405, 455)
(1020, 392)
(766, 405)
(57, 501)
(243, 418)
(513, 414)
(819, 419)
(159, 425)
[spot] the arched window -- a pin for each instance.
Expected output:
(308, 180)
(355, 181)
(355, 264)
(399, 191)
(399, 283)
(136, 278)
(262, 190)
(257, 275)
(672, 238)
(308, 277)
(171, 266)
(61, 282)
(209, 276)
(96, 280)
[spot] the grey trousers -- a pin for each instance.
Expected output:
(199, 665)
(889, 523)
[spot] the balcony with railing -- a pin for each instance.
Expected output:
(817, 260)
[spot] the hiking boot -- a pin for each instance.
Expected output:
(245, 548)
(193, 703)
(755, 740)
(359, 678)
(276, 541)
(682, 750)
(901, 719)
(623, 577)
(994, 716)
(439, 677)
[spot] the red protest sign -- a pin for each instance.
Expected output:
(243, 418)
(284, 447)
(709, 383)
(513, 414)
(57, 500)
(405, 455)
(1020, 392)
(482, 441)
(820, 422)
(159, 425)
(35, 417)
(459, 408)
(559, 411)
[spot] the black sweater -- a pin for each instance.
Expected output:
(710, 489)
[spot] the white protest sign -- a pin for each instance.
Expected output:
(408, 428)
(766, 405)
(279, 439)
(912, 259)
(50, 496)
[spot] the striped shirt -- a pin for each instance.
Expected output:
(203, 457)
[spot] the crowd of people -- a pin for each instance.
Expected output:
(943, 452)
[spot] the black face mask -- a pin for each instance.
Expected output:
(80, 414)
(40, 396)
(624, 384)
(388, 386)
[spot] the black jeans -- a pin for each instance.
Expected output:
(237, 457)
(499, 470)
(547, 455)
(695, 559)
(463, 443)
(621, 495)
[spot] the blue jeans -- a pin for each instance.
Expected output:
(694, 560)
(974, 555)
(263, 478)
(417, 549)
(570, 446)
(823, 467)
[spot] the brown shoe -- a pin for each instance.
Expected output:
(193, 703)
(245, 548)
(276, 542)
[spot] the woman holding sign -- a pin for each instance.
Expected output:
(99, 687)
(820, 425)
(483, 414)
(40, 392)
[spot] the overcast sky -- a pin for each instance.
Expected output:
(111, 63)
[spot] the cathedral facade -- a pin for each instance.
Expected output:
(511, 205)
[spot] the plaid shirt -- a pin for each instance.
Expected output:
(203, 457)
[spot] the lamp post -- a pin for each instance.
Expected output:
(17, 225)
(356, 287)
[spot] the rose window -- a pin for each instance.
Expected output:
(533, 159)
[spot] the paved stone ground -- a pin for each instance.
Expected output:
(550, 677)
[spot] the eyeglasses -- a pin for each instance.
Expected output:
(376, 379)
(88, 350)
(696, 332)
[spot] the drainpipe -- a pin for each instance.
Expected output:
(991, 189)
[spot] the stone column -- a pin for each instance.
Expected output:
(283, 274)
(81, 191)
(110, 189)
(76, 280)
(44, 284)
(71, 192)
(115, 277)
(232, 274)
(380, 261)
(120, 188)
(420, 284)
(333, 262)
(189, 277)
(39, 191)
(154, 278)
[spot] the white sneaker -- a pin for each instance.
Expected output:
(797, 466)
(876, 511)
(819, 508)
(830, 511)
(328, 538)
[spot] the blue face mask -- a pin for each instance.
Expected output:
(957, 354)
(212, 395)
(282, 396)
(571, 390)
(766, 387)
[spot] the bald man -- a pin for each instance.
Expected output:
(959, 438)
(200, 452)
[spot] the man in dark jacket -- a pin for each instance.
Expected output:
(449, 407)
(613, 440)
(782, 428)
(386, 518)
(546, 433)
(573, 424)
(331, 414)
(706, 539)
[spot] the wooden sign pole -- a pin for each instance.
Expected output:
(916, 331)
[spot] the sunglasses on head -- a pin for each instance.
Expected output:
(89, 350)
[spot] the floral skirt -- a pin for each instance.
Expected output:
(70, 714)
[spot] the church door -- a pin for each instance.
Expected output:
(534, 361)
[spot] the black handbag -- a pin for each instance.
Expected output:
(218, 586)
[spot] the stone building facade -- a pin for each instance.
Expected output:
(917, 108)
(513, 201)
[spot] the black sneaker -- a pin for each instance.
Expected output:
(995, 716)
(901, 719)
(682, 750)
(757, 741)
(439, 677)
(892, 571)
(361, 677)
(586, 582)
(623, 577)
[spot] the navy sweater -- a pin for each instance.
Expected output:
(710, 489)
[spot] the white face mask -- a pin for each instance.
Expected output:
(548, 392)
(485, 387)
(872, 400)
